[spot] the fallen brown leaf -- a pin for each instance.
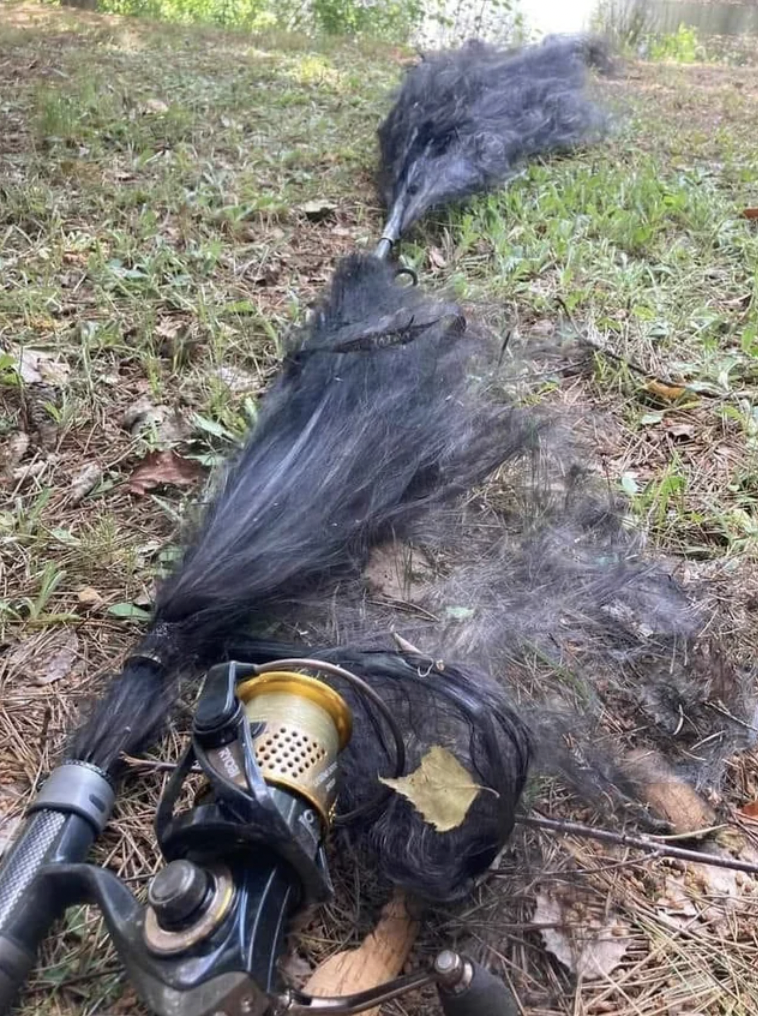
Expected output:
(15, 448)
(58, 665)
(669, 393)
(89, 597)
(84, 481)
(590, 947)
(750, 213)
(160, 469)
(749, 810)
(35, 366)
(684, 430)
(669, 797)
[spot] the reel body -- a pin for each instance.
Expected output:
(247, 857)
(243, 859)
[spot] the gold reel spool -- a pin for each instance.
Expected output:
(306, 724)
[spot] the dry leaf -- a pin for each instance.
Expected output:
(437, 258)
(89, 597)
(750, 213)
(590, 947)
(669, 393)
(237, 380)
(169, 328)
(161, 469)
(15, 448)
(749, 810)
(669, 797)
(441, 790)
(84, 481)
(59, 664)
(685, 430)
(155, 106)
(34, 366)
(317, 210)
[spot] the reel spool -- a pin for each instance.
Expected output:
(299, 725)
(296, 728)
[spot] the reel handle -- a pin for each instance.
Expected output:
(464, 988)
(479, 993)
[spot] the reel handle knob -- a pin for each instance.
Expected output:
(466, 988)
(177, 892)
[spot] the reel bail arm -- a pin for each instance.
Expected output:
(464, 987)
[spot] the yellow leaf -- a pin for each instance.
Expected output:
(441, 790)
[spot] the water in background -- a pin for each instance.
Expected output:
(528, 19)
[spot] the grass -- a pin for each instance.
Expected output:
(154, 249)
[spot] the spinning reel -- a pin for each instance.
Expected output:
(249, 856)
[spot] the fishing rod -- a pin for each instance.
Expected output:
(349, 449)
(371, 427)
(465, 120)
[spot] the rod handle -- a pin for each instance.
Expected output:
(70, 810)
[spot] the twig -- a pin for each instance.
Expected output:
(88, 975)
(694, 834)
(617, 357)
(154, 765)
(652, 846)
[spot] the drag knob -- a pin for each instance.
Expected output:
(178, 892)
